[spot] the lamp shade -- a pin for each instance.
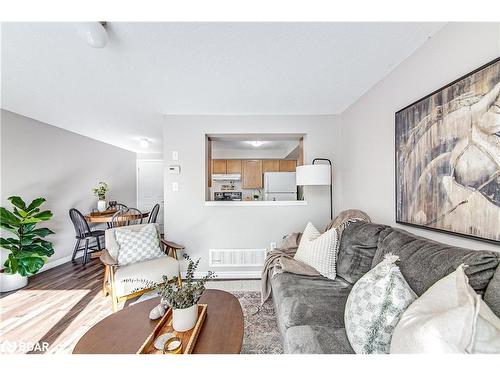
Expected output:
(316, 174)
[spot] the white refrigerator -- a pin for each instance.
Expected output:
(280, 186)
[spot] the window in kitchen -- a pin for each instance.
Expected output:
(253, 167)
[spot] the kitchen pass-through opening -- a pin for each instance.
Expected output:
(253, 167)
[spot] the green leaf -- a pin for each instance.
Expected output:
(30, 266)
(42, 232)
(10, 228)
(18, 202)
(11, 264)
(40, 249)
(27, 240)
(28, 227)
(40, 216)
(31, 220)
(36, 203)
(20, 213)
(11, 244)
(8, 217)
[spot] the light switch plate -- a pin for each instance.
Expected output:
(175, 155)
(175, 186)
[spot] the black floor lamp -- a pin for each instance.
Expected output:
(317, 175)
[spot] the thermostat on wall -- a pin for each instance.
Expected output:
(174, 169)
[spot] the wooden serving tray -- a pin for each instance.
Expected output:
(103, 213)
(164, 325)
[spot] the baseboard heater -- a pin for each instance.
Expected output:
(237, 257)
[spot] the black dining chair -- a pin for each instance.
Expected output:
(154, 214)
(129, 216)
(83, 233)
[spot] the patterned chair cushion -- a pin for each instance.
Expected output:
(138, 246)
(374, 307)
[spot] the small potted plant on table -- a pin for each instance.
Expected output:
(183, 299)
(28, 251)
(100, 191)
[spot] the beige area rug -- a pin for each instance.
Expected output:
(261, 332)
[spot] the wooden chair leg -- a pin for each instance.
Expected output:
(77, 246)
(86, 251)
(115, 303)
(105, 281)
(114, 298)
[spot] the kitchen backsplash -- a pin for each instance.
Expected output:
(226, 186)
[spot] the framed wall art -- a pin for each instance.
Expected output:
(448, 157)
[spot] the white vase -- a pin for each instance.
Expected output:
(10, 282)
(184, 319)
(101, 205)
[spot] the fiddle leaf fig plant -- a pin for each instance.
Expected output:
(28, 249)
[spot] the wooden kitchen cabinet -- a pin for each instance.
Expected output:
(218, 166)
(233, 166)
(270, 166)
(288, 165)
(252, 174)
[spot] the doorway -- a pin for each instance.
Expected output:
(150, 186)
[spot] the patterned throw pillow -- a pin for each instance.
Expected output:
(138, 246)
(375, 305)
(318, 250)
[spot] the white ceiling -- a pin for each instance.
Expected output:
(120, 93)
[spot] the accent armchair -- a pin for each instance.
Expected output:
(124, 282)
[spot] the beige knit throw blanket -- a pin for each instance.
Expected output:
(281, 259)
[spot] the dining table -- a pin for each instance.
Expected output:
(107, 216)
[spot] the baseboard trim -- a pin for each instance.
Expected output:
(229, 275)
(55, 263)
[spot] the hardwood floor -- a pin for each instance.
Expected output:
(59, 305)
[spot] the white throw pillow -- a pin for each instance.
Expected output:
(450, 317)
(318, 250)
(138, 246)
(374, 306)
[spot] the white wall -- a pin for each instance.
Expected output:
(200, 228)
(368, 125)
(40, 160)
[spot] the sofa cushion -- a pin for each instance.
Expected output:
(316, 339)
(357, 248)
(423, 261)
(306, 300)
(492, 294)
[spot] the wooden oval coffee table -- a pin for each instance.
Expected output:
(125, 331)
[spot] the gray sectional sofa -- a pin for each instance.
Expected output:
(310, 310)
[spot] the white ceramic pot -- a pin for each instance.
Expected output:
(10, 282)
(101, 205)
(184, 319)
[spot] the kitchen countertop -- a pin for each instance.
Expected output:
(254, 203)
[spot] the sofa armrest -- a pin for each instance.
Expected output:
(107, 259)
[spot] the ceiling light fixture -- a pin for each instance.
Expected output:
(94, 33)
(144, 142)
(256, 143)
